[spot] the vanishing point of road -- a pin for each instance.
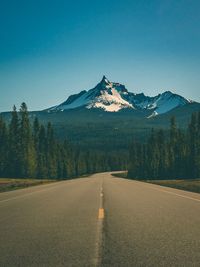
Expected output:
(99, 221)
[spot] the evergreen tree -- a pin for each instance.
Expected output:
(193, 152)
(177, 157)
(14, 169)
(198, 145)
(3, 148)
(31, 150)
(27, 155)
(51, 153)
(42, 148)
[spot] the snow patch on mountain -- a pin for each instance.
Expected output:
(109, 101)
(168, 101)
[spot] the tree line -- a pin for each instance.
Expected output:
(29, 149)
(168, 155)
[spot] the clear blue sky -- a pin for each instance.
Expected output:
(51, 49)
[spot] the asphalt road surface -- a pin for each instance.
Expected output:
(99, 221)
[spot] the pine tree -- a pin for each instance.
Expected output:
(133, 161)
(42, 148)
(198, 145)
(51, 152)
(81, 164)
(193, 154)
(27, 155)
(3, 148)
(178, 157)
(36, 130)
(14, 169)
(173, 152)
(162, 154)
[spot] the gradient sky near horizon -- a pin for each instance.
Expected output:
(52, 49)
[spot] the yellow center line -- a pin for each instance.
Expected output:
(101, 213)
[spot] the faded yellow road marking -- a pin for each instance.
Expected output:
(101, 213)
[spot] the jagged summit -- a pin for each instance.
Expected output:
(113, 97)
(105, 80)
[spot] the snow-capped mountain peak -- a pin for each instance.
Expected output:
(105, 80)
(113, 97)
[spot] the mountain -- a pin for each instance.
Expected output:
(114, 97)
(86, 118)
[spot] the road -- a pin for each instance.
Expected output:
(99, 221)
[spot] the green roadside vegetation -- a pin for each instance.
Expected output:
(7, 184)
(192, 185)
(30, 149)
(188, 185)
(10, 184)
(176, 156)
(120, 174)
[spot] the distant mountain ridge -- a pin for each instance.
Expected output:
(113, 97)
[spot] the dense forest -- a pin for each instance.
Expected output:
(168, 156)
(31, 150)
